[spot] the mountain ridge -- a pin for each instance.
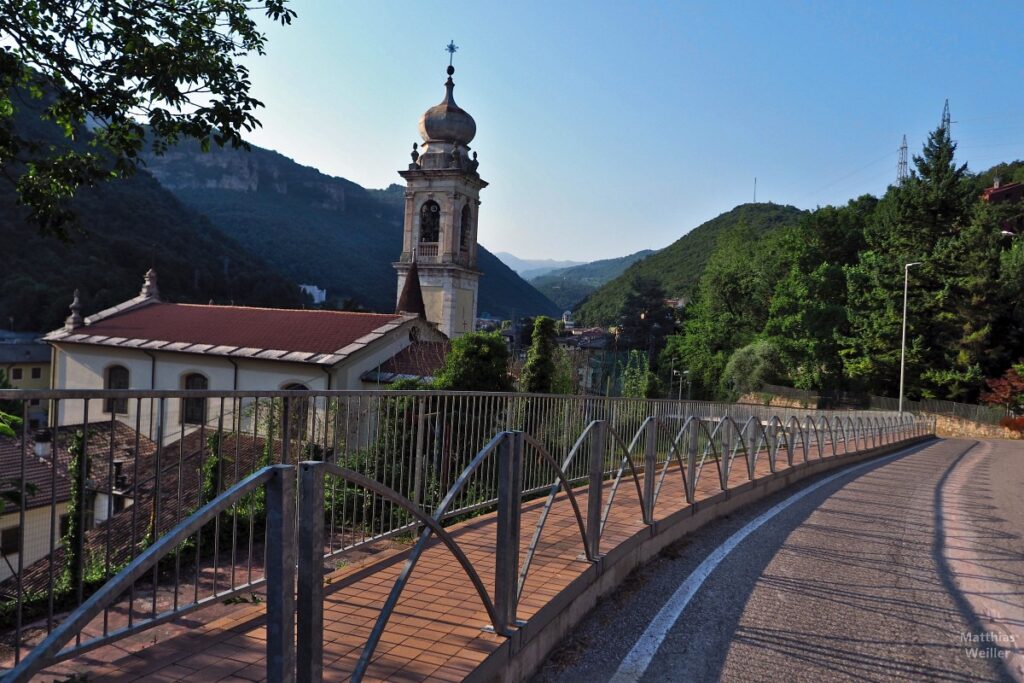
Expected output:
(569, 286)
(678, 267)
(338, 236)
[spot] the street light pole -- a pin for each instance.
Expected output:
(903, 344)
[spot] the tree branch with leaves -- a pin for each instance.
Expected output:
(114, 76)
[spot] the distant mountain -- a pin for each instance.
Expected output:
(678, 266)
(320, 230)
(531, 268)
(569, 286)
(125, 227)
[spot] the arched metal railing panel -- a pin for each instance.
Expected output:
(626, 459)
(414, 556)
(560, 482)
(280, 570)
(432, 524)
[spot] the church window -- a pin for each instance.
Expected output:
(464, 229)
(116, 379)
(193, 410)
(430, 222)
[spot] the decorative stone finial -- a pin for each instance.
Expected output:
(74, 321)
(415, 158)
(473, 165)
(149, 287)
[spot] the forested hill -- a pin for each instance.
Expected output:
(678, 267)
(125, 227)
(568, 286)
(320, 230)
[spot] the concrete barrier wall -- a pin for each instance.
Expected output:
(522, 654)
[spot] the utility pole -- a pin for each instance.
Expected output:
(901, 166)
(903, 345)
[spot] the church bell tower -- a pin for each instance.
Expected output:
(441, 208)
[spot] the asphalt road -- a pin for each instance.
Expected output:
(911, 569)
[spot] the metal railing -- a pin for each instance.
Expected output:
(278, 481)
(609, 457)
(392, 463)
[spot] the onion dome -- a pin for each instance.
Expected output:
(447, 122)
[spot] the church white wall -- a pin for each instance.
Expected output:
(81, 366)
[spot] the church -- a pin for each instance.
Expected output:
(150, 344)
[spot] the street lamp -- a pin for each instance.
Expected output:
(903, 345)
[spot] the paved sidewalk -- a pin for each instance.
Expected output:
(436, 631)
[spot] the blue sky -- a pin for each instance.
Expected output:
(605, 128)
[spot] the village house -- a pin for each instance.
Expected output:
(25, 364)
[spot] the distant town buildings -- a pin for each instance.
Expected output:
(1009, 193)
(25, 363)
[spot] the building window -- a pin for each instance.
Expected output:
(116, 379)
(37, 373)
(10, 540)
(464, 229)
(430, 222)
(193, 410)
(65, 524)
(16, 372)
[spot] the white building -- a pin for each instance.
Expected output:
(147, 343)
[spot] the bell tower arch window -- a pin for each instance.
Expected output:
(430, 222)
(465, 228)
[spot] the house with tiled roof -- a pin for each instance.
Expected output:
(119, 460)
(150, 344)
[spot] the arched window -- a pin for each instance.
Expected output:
(297, 411)
(465, 228)
(116, 378)
(193, 410)
(430, 222)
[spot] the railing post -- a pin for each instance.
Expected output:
(280, 573)
(286, 428)
(754, 426)
(691, 460)
(419, 456)
(310, 604)
(506, 570)
(650, 468)
(595, 492)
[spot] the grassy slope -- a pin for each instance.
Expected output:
(678, 267)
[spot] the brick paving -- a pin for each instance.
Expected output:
(435, 632)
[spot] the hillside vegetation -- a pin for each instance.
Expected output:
(569, 286)
(124, 227)
(678, 267)
(321, 230)
(819, 305)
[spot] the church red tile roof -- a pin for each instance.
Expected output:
(270, 333)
